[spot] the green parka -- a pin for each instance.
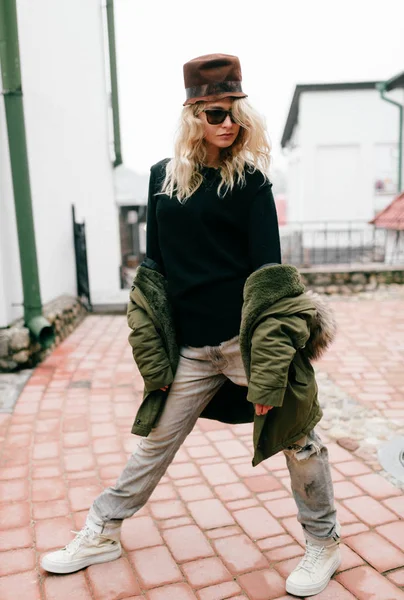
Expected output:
(282, 329)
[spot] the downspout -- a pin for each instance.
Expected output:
(114, 82)
(40, 328)
(382, 89)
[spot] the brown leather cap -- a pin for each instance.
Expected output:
(212, 77)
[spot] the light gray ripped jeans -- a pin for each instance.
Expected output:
(200, 373)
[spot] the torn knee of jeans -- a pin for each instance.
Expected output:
(303, 452)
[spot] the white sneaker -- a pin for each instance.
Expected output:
(312, 574)
(87, 548)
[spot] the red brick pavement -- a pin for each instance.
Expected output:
(215, 528)
(367, 358)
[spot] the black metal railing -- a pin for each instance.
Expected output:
(80, 249)
(309, 244)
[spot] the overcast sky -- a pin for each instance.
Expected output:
(280, 43)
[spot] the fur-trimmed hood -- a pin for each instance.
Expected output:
(278, 289)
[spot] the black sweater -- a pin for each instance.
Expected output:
(207, 247)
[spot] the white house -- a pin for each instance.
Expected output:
(65, 83)
(341, 141)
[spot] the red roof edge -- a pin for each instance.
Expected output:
(391, 217)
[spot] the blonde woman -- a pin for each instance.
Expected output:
(219, 328)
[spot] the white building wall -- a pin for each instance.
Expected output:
(66, 108)
(11, 297)
(66, 115)
(340, 137)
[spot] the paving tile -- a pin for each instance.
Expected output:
(353, 467)
(232, 449)
(240, 504)
(367, 584)
(14, 490)
(8, 473)
(12, 539)
(377, 486)
(376, 550)
(240, 554)
(281, 493)
(276, 541)
(262, 585)
(79, 462)
(393, 532)
(167, 509)
(47, 450)
(182, 470)
(164, 491)
(83, 496)
(17, 561)
(47, 510)
(219, 474)
(395, 504)
(257, 522)
(333, 591)
(353, 529)
(188, 481)
(195, 492)
(293, 527)
(187, 543)
(46, 471)
(53, 533)
(222, 532)
(369, 510)
(345, 516)
(178, 591)
(282, 553)
(113, 582)
(346, 489)
(338, 454)
(397, 577)
(14, 515)
(286, 566)
(205, 572)
(155, 566)
(74, 586)
(232, 491)
(283, 507)
(210, 514)
(220, 591)
(44, 490)
(263, 483)
(140, 532)
(178, 522)
(349, 558)
(202, 451)
(20, 585)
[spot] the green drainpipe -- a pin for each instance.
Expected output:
(40, 328)
(382, 89)
(114, 82)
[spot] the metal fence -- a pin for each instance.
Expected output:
(340, 243)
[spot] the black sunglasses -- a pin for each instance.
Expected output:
(216, 116)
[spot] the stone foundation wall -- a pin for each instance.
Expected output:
(328, 280)
(17, 348)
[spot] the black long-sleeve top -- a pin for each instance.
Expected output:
(207, 247)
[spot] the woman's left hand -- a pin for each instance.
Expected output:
(261, 409)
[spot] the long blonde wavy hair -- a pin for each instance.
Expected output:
(251, 149)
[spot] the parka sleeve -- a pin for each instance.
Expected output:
(147, 348)
(274, 344)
